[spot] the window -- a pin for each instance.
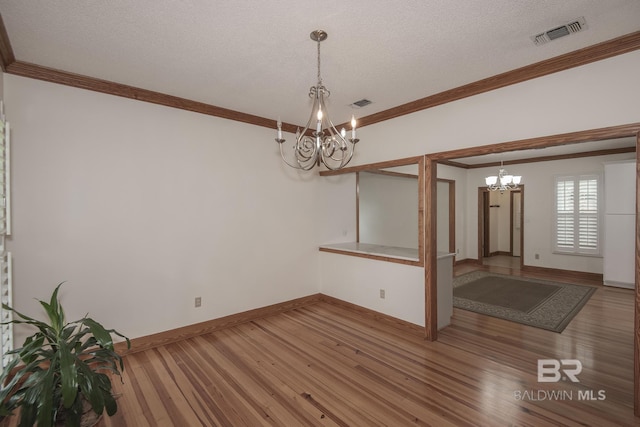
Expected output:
(578, 214)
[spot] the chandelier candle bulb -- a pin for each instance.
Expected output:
(279, 129)
(353, 127)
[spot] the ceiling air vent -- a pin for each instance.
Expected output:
(561, 31)
(361, 103)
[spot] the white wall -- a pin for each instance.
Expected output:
(538, 181)
(388, 210)
(141, 208)
(359, 280)
(592, 96)
(337, 211)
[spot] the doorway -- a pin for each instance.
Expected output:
(500, 227)
(631, 130)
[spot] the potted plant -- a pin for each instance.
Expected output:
(60, 375)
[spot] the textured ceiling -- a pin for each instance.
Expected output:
(256, 56)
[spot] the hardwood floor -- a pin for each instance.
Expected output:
(326, 364)
(502, 261)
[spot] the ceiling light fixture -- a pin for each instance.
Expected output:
(504, 181)
(320, 142)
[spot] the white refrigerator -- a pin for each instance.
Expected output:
(619, 224)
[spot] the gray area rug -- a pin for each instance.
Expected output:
(539, 303)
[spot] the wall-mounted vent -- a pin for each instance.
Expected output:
(361, 103)
(564, 30)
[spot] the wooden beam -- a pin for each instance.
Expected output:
(599, 134)
(430, 250)
(373, 166)
(596, 153)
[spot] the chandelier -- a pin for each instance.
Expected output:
(319, 142)
(504, 181)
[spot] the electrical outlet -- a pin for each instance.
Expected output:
(198, 301)
(382, 293)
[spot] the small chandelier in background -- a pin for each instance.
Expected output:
(504, 181)
(320, 142)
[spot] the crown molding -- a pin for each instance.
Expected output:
(25, 69)
(597, 52)
(600, 51)
(6, 52)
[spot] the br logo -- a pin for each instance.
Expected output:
(554, 370)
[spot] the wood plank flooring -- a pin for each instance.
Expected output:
(328, 365)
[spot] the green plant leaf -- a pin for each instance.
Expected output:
(28, 415)
(8, 381)
(99, 332)
(110, 404)
(68, 374)
(58, 367)
(73, 415)
(44, 401)
(32, 349)
(68, 331)
(90, 387)
(22, 316)
(54, 311)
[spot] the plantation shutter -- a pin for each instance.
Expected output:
(588, 215)
(577, 214)
(565, 223)
(6, 330)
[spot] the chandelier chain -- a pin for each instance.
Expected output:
(319, 78)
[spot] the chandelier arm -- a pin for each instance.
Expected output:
(340, 153)
(287, 162)
(306, 152)
(335, 139)
(338, 167)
